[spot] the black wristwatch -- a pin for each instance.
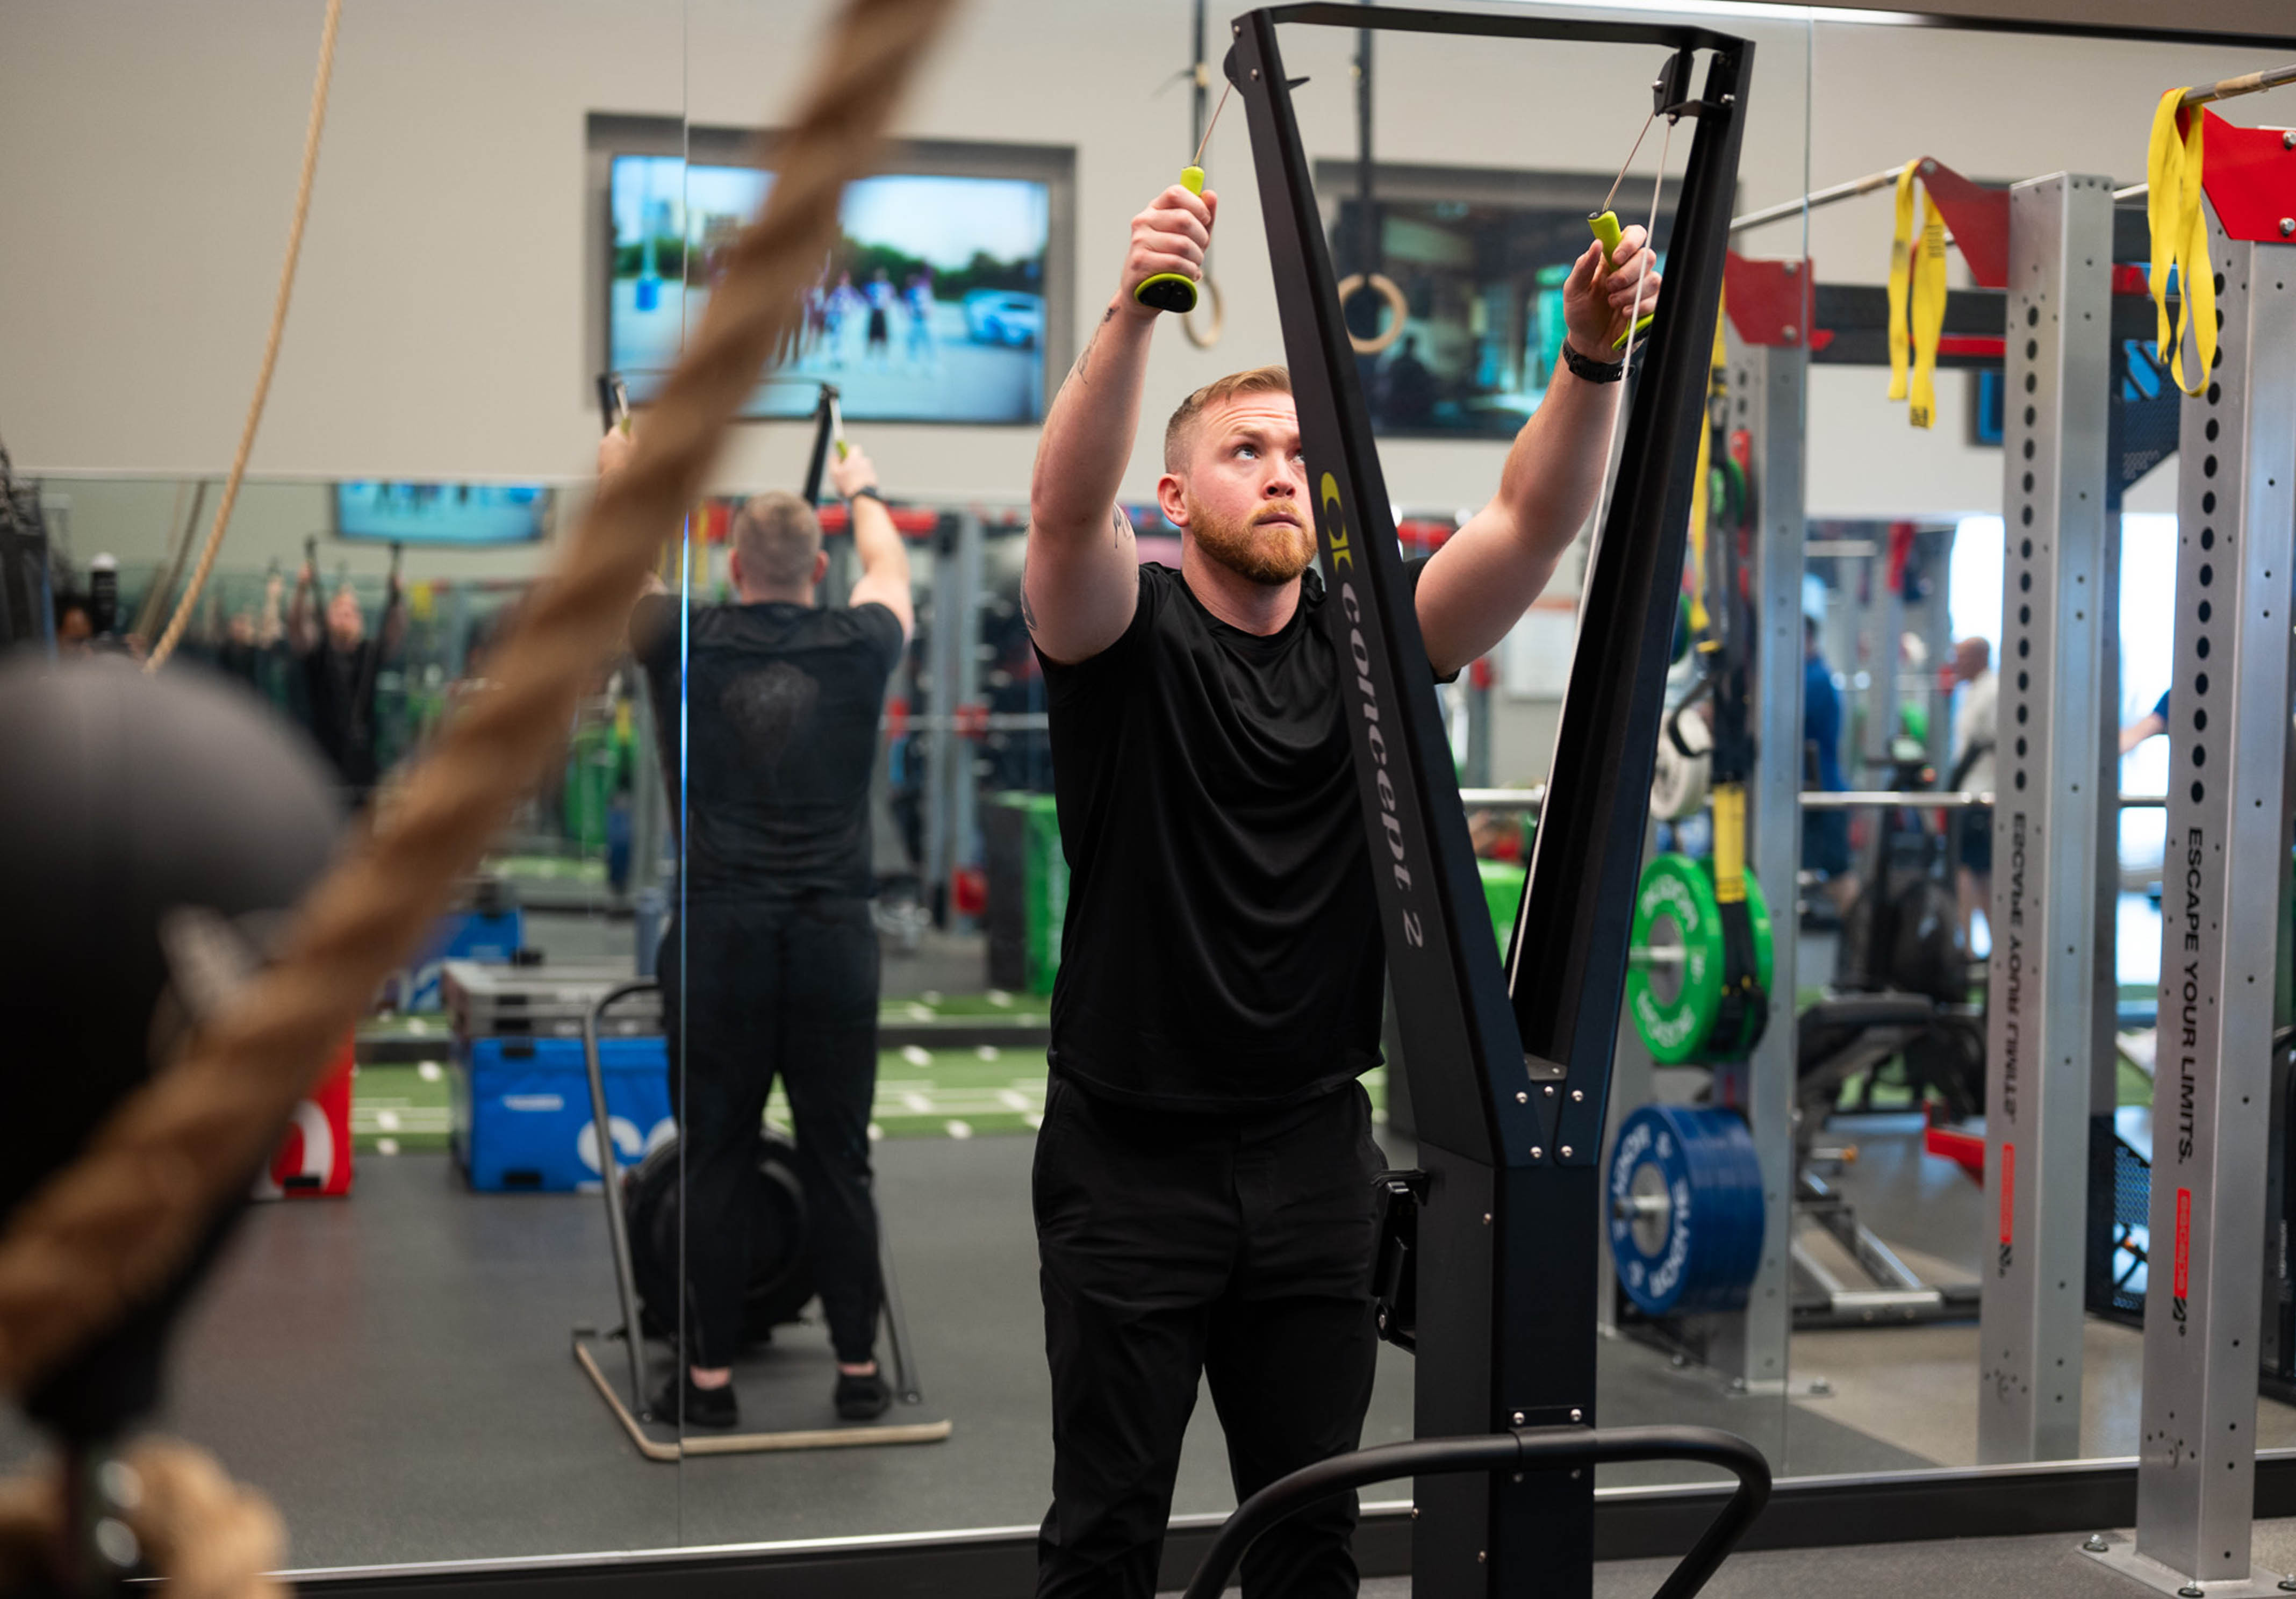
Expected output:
(869, 493)
(1590, 370)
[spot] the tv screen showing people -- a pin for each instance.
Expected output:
(931, 308)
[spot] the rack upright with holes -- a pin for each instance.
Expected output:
(2220, 1085)
(2049, 1039)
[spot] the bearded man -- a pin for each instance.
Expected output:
(1203, 1176)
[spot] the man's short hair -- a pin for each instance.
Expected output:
(1257, 379)
(777, 537)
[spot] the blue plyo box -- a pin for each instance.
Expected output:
(522, 1110)
(464, 936)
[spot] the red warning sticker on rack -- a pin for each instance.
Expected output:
(2184, 1242)
(2008, 1189)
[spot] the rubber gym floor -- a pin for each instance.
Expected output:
(394, 1370)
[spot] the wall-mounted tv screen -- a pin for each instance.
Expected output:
(442, 514)
(931, 308)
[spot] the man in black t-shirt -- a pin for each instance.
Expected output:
(1203, 1178)
(771, 971)
(341, 664)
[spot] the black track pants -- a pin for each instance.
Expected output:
(1175, 1246)
(774, 989)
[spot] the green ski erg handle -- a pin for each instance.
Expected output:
(1606, 226)
(1172, 290)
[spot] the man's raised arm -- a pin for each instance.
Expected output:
(1082, 579)
(877, 544)
(1480, 583)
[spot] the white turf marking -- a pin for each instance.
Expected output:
(875, 1132)
(430, 1071)
(930, 996)
(917, 1054)
(1013, 1099)
(987, 1052)
(918, 1103)
(386, 1146)
(1035, 1120)
(960, 1130)
(387, 1120)
(997, 996)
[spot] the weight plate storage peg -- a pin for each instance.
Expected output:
(1684, 1202)
(1674, 983)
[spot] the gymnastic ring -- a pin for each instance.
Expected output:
(1219, 317)
(1396, 303)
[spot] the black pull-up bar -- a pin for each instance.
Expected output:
(1545, 1446)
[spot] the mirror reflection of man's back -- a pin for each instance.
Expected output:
(771, 971)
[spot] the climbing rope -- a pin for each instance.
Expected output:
(182, 616)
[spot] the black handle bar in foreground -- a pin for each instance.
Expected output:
(1524, 1448)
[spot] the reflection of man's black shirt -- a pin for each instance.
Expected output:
(340, 685)
(780, 713)
(1223, 949)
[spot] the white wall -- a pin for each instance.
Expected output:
(150, 150)
(439, 317)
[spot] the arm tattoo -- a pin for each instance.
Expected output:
(1123, 528)
(1084, 355)
(1027, 612)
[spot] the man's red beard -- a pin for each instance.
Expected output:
(1271, 552)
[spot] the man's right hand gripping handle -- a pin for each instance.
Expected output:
(1082, 578)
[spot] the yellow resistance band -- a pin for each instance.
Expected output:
(2180, 240)
(1699, 510)
(1701, 501)
(1729, 843)
(1920, 277)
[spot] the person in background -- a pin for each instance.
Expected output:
(251, 638)
(772, 970)
(816, 321)
(880, 346)
(2153, 722)
(75, 624)
(1824, 833)
(341, 664)
(1974, 725)
(918, 298)
(1407, 388)
(842, 305)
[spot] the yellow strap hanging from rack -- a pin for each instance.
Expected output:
(2180, 240)
(1700, 500)
(1918, 277)
(1699, 509)
(1730, 842)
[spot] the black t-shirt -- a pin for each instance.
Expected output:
(1222, 950)
(340, 685)
(781, 716)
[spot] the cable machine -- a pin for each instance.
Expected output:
(1489, 1258)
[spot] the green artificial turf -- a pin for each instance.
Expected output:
(921, 1093)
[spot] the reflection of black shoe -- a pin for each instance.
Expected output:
(862, 1398)
(713, 1407)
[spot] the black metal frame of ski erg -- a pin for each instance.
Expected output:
(1509, 1096)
